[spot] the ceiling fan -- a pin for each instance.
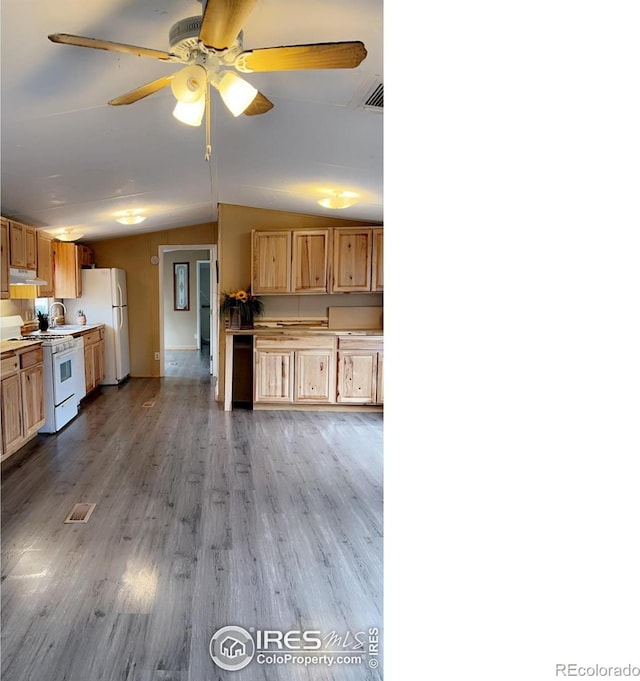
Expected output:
(211, 47)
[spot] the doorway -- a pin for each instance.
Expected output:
(190, 328)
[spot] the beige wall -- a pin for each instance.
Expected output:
(181, 326)
(133, 254)
(234, 256)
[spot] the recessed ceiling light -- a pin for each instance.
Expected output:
(339, 200)
(130, 217)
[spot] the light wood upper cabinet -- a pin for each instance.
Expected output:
(45, 264)
(316, 261)
(377, 261)
(4, 254)
(67, 272)
(310, 255)
(352, 254)
(23, 252)
(271, 262)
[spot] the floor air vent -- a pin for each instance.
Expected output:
(80, 513)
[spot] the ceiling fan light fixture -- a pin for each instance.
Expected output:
(188, 84)
(236, 92)
(190, 113)
(339, 200)
(130, 217)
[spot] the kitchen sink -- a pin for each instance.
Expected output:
(65, 328)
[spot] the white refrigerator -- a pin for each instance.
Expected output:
(104, 301)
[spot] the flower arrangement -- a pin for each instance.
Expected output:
(241, 306)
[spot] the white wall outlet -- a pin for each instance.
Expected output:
(156, 356)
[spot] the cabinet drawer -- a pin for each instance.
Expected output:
(92, 337)
(361, 343)
(9, 365)
(295, 342)
(31, 357)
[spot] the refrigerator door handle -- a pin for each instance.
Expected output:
(120, 319)
(120, 296)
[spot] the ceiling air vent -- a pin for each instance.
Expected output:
(376, 99)
(371, 97)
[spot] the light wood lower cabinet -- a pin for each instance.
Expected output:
(295, 370)
(93, 359)
(274, 376)
(315, 372)
(22, 391)
(360, 365)
(33, 409)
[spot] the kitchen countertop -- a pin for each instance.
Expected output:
(9, 347)
(74, 330)
(303, 331)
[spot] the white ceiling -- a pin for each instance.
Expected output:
(70, 160)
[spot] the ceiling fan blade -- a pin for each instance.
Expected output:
(81, 41)
(259, 105)
(142, 91)
(345, 55)
(222, 20)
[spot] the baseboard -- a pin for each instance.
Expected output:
(180, 347)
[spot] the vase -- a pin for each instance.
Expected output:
(43, 324)
(235, 317)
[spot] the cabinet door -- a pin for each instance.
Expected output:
(315, 376)
(271, 262)
(274, 376)
(377, 261)
(17, 252)
(352, 259)
(89, 376)
(30, 248)
(98, 361)
(32, 380)
(66, 272)
(11, 414)
(4, 254)
(310, 260)
(379, 380)
(45, 264)
(357, 371)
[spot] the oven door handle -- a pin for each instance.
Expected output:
(65, 354)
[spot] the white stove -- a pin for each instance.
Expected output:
(56, 341)
(64, 380)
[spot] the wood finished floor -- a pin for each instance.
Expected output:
(204, 518)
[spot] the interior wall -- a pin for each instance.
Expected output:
(23, 307)
(234, 256)
(180, 326)
(133, 254)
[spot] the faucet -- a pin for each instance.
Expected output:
(53, 319)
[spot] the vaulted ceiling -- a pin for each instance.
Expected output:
(69, 160)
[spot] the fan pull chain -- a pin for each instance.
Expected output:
(207, 113)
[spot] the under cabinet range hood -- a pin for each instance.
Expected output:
(20, 277)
